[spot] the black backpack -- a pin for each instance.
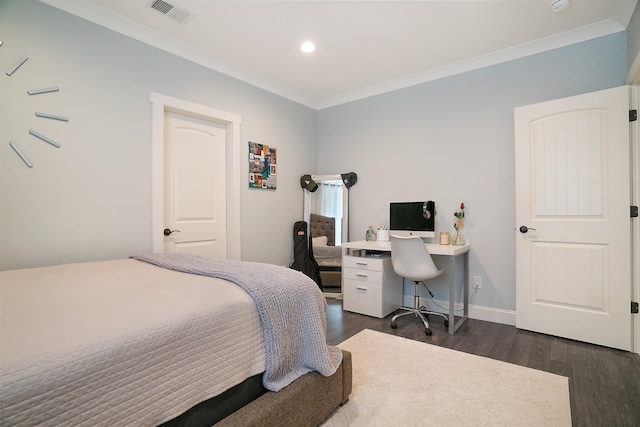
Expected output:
(303, 259)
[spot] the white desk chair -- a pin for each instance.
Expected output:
(411, 259)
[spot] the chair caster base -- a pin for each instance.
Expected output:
(446, 323)
(428, 331)
(393, 325)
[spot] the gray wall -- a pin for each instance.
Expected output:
(452, 141)
(633, 37)
(449, 140)
(90, 199)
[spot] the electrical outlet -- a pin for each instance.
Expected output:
(477, 282)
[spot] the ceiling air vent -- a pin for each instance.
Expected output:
(171, 10)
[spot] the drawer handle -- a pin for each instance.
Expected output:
(361, 275)
(360, 288)
(362, 263)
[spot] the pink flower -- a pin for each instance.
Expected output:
(460, 214)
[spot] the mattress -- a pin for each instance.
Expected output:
(120, 342)
(328, 256)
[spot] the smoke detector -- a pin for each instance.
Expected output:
(559, 5)
(171, 10)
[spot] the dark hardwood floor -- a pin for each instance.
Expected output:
(604, 383)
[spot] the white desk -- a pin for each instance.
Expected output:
(452, 251)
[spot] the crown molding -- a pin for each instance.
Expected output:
(117, 23)
(112, 21)
(582, 34)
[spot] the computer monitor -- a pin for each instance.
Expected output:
(412, 219)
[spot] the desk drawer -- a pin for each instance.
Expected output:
(362, 297)
(363, 263)
(363, 275)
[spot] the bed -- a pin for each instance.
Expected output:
(327, 254)
(166, 339)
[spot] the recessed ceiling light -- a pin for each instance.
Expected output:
(307, 47)
(559, 5)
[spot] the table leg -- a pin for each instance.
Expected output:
(453, 326)
(452, 288)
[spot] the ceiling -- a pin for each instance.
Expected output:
(363, 48)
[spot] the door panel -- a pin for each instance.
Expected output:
(580, 268)
(572, 182)
(195, 186)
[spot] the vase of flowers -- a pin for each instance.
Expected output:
(459, 238)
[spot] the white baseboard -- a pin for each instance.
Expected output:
(489, 314)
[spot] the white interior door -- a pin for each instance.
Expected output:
(573, 265)
(195, 186)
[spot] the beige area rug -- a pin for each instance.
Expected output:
(397, 381)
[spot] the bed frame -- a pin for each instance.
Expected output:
(305, 402)
(324, 226)
(90, 373)
(331, 276)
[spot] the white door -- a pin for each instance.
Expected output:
(573, 265)
(195, 186)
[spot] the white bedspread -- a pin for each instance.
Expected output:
(328, 256)
(292, 310)
(140, 367)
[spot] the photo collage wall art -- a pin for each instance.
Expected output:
(262, 166)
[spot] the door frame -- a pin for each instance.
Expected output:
(634, 136)
(163, 103)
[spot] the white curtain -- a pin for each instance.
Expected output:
(330, 204)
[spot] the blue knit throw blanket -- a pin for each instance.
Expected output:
(292, 310)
